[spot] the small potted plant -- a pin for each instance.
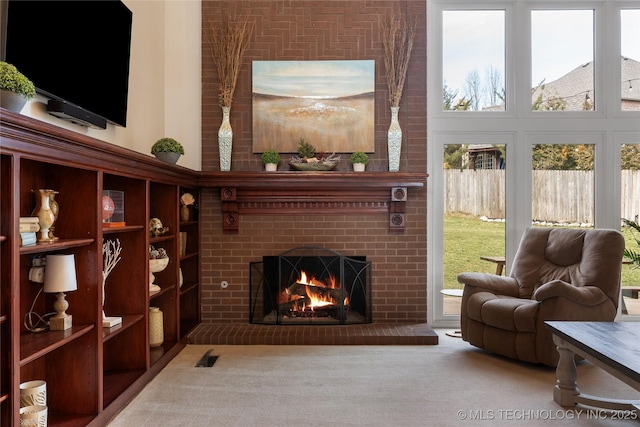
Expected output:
(15, 88)
(359, 159)
(167, 149)
(270, 159)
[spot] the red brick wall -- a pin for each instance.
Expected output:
(316, 30)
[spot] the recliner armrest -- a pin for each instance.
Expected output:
(501, 285)
(585, 295)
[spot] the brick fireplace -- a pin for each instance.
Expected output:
(315, 30)
(310, 286)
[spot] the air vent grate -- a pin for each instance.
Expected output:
(207, 360)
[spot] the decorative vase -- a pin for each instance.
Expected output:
(33, 416)
(168, 157)
(225, 140)
(45, 214)
(12, 101)
(358, 167)
(55, 208)
(394, 141)
(33, 393)
(270, 167)
(184, 213)
(156, 329)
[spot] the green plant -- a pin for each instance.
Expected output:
(632, 255)
(270, 156)
(359, 157)
(306, 150)
(167, 145)
(14, 81)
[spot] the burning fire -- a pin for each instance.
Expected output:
(312, 294)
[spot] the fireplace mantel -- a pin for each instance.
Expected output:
(295, 193)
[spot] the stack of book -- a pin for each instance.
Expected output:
(28, 228)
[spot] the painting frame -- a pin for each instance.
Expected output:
(330, 104)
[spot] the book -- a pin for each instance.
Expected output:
(109, 322)
(29, 219)
(28, 238)
(26, 227)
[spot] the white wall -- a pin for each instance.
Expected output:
(164, 82)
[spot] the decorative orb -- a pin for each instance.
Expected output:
(108, 207)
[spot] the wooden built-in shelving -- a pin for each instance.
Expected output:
(91, 371)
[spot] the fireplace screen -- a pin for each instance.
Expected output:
(310, 285)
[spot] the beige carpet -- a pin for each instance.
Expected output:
(448, 384)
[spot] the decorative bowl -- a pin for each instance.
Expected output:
(302, 166)
(158, 265)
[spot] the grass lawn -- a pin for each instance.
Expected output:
(467, 238)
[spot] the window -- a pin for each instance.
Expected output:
(630, 61)
(533, 46)
(473, 60)
(562, 67)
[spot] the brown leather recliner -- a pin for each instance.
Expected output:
(557, 274)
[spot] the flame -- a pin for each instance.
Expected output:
(316, 295)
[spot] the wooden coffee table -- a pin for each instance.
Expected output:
(612, 346)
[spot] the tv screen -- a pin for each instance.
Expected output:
(76, 52)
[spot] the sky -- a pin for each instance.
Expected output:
(561, 41)
(313, 79)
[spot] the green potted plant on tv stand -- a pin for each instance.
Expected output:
(15, 88)
(167, 149)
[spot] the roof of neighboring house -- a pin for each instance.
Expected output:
(481, 147)
(575, 86)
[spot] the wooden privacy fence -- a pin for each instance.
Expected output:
(558, 195)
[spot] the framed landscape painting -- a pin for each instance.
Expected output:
(330, 104)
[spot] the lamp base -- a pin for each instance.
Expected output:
(109, 322)
(60, 323)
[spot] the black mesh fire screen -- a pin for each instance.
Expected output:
(310, 285)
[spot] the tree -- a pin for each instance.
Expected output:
(495, 86)
(563, 157)
(630, 156)
(449, 100)
(474, 90)
(454, 155)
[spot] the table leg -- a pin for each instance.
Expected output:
(566, 389)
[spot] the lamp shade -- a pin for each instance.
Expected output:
(60, 274)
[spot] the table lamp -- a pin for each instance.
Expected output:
(60, 277)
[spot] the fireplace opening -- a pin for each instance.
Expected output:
(310, 285)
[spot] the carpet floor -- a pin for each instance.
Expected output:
(448, 384)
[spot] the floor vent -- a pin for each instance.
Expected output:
(207, 360)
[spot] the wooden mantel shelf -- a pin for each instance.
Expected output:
(294, 193)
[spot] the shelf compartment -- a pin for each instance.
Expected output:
(188, 287)
(127, 322)
(37, 344)
(58, 245)
(123, 229)
(117, 381)
(163, 290)
(157, 353)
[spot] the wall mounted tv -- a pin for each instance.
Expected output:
(76, 53)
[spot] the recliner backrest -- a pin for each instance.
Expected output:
(577, 256)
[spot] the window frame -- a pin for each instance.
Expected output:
(518, 127)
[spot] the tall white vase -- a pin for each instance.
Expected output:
(394, 141)
(225, 140)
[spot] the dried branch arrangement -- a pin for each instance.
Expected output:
(397, 39)
(228, 45)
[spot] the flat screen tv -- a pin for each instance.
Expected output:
(76, 53)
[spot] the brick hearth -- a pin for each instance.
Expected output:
(367, 334)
